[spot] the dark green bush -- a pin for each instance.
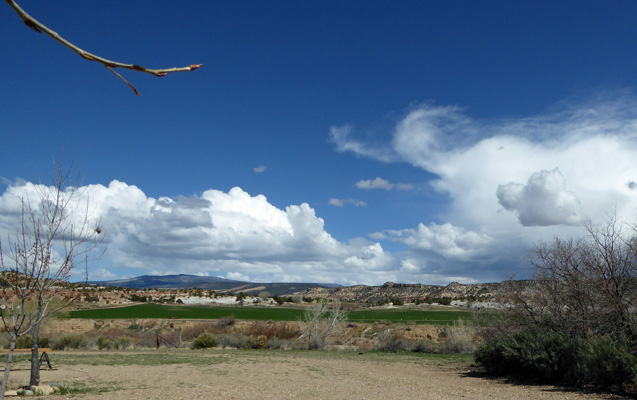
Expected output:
(445, 301)
(43, 342)
(204, 341)
(560, 359)
(24, 342)
(609, 362)
(134, 327)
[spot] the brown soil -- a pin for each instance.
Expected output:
(244, 375)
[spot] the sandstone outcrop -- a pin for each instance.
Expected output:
(409, 292)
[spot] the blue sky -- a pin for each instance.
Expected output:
(349, 142)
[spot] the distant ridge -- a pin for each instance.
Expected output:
(414, 291)
(183, 281)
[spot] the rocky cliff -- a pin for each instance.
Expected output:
(408, 292)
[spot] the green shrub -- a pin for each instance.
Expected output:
(134, 327)
(227, 341)
(205, 341)
(278, 343)
(560, 359)
(397, 301)
(445, 301)
(237, 341)
(24, 342)
(122, 343)
(43, 342)
(69, 341)
(533, 354)
(609, 362)
(105, 343)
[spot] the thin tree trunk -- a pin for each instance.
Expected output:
(35, 356)
(35, 339)
(7, 367)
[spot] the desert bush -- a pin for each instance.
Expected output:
(122, 343)
(134, 327)
(43, 342)
(575, 323)
(24, 342)
(271, 329)
(560, 359)
(585, 285)
(322, 323)
(69, 341)
(431, 347)
(397, 301)
(533, 354)
(458, 338)
(261, 342)
(109, 343)
(225, 322)
(278, 343)
(609, 363)
(425, 346)
(237, 341)
(205, 341)
(105, 343)
(192, 332)
(389, 341)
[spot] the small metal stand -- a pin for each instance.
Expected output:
(45, 357)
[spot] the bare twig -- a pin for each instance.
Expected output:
(41, 28)
(54, 230)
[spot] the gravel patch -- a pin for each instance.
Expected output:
(244, 375)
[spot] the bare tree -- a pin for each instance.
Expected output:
(109, 64)
(322, 322)
(582, 286)
(54, 233)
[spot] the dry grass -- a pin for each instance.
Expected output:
(275, 334)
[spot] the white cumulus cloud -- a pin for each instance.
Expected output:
(515, 180)
(232, 234)
(450, 241)
(543, 201)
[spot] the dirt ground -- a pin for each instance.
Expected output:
(243, 375)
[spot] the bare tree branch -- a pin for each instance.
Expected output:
(582, 286)
(53, 232)
(41, 28)
(322, 322)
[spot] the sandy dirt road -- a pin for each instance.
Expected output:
(243, 375)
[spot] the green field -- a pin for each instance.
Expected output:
(265, 313)
(410, 315)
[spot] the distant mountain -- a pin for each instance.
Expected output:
(183, 281)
